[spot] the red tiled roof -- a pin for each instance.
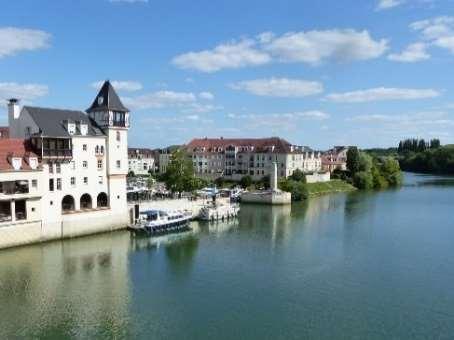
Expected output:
(280, 145)
(11, 148)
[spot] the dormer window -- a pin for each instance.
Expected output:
(33, 162)
(17, 163)
(71, 128)
(83, 128)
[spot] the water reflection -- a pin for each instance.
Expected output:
(76, 288)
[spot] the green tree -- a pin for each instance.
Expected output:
(298, 176)
(179, 176)
(353, 160)
(363, 180)
(246, 181)
(298, 189)
(365, 162)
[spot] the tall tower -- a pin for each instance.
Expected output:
(112, 116)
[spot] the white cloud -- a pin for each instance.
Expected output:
(314, 47)
(206, 95)
(22, 91)
(413, 53)
(315, 115)
(387, 4)
(160, 99)
(280, 87)
(14, 40)
(228, 55)
(437, 31)
(127, 85)
(186, 102)
(381, 94)
(311, 47)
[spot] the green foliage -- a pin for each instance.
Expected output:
(298, 176)
(131, 174)
(298, 189)
(363, 180)
(365, 162)
(246, 181)
(435, 160)
(332, 186)
(418, 145)
(179, 176)
(353, 162)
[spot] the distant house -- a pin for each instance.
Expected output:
(141, 161)
(4, 132)
(335, 159)
(165, 155)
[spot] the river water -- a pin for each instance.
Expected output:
(347, 266)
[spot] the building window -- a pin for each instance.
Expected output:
(85, 180)
(58, 168)
(73, 181)
(58, 183)
(118, 136)
(118, 164)
(99, 164)
(73, 165)
(97, 149)
(34, 183)
(84, 147)
(100, 179)
(102, 149)
(51, 184)
(85, 164)
(51, 168)
(21, 210)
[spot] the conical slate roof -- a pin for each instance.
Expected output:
(107, 99)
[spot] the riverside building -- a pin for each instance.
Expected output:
(233, 158)
(141, 161)
(66, 172)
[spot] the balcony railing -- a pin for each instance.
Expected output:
(57, 153)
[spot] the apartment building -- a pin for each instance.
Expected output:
(141, 161)
(335, 159)
(235, 158)
(82, 161)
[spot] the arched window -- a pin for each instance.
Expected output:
(102, 201)
(102, 149)
(85, 201)
(97, 149)
(118, 136)
(67, 204)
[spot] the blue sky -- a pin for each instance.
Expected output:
(315, 72)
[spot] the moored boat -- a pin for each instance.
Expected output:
(158, 222)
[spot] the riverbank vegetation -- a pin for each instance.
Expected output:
(366, 172)
(417, 155)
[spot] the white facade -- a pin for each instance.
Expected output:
(236, 161)
(141, 161)
(82, 176)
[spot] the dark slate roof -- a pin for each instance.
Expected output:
(51, 122)
(107, 99)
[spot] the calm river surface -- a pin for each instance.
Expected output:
(346, 266)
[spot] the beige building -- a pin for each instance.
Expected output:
(141, 161)
(235, 158)
(335, 159)
(74, 164)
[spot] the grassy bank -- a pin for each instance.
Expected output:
(333, 186)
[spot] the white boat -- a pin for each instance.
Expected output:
(219, 212)
(158, 222)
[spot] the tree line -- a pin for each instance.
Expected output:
(417, 145)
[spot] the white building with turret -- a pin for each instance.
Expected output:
(80, 175)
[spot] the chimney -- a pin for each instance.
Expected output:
(13, 108)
